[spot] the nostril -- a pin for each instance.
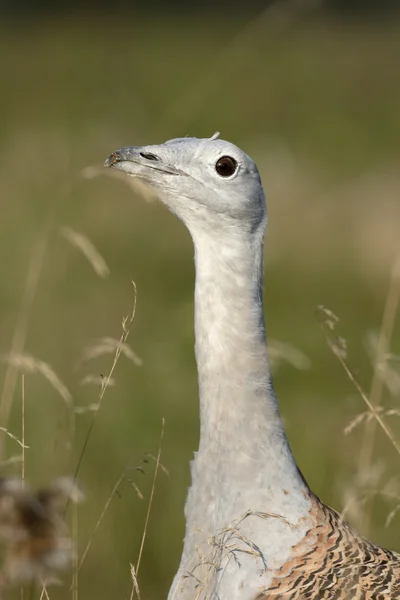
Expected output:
(148, 155)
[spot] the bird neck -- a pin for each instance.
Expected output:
(238, 406)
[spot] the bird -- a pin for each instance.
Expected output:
(254, 528)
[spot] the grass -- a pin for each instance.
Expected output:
(316, 104)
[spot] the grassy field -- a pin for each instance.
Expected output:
(316, 105)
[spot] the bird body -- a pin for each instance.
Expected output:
(253, 527)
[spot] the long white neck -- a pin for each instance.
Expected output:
(238, 406)
(244, 465)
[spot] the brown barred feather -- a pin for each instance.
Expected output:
(333, 562)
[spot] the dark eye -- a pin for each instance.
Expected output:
(148, 155)
(226, 166)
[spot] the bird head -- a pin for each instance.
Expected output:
(207, 183)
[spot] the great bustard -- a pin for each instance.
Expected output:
(254, 529)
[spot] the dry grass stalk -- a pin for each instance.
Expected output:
(135, 184)
(88, 249)
(44, 593)
(366, 416)
(21, 327)
(388, 369)
(137, 490)
(100, 519)
(135, 581)
(96, 380)
(156, 459)
(108, 345)
(146, 523)
(29, 364)
(360, 500)
(114, 491)
(75, 570)
(23, 446)
(228, 544)
(126, 322)
(81, 410)
(23, 427)
(13, 437)
(377, 386)
(357, 498)
(336, 348)
(280, 352)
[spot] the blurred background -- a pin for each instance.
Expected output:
(312, 92)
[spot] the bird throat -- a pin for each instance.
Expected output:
(238, 406)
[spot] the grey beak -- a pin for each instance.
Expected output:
(111, 160)
(128, 154)
(140, 161)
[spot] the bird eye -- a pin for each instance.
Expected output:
(148, 155)
(226, 166)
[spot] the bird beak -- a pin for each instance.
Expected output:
(139, 161)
